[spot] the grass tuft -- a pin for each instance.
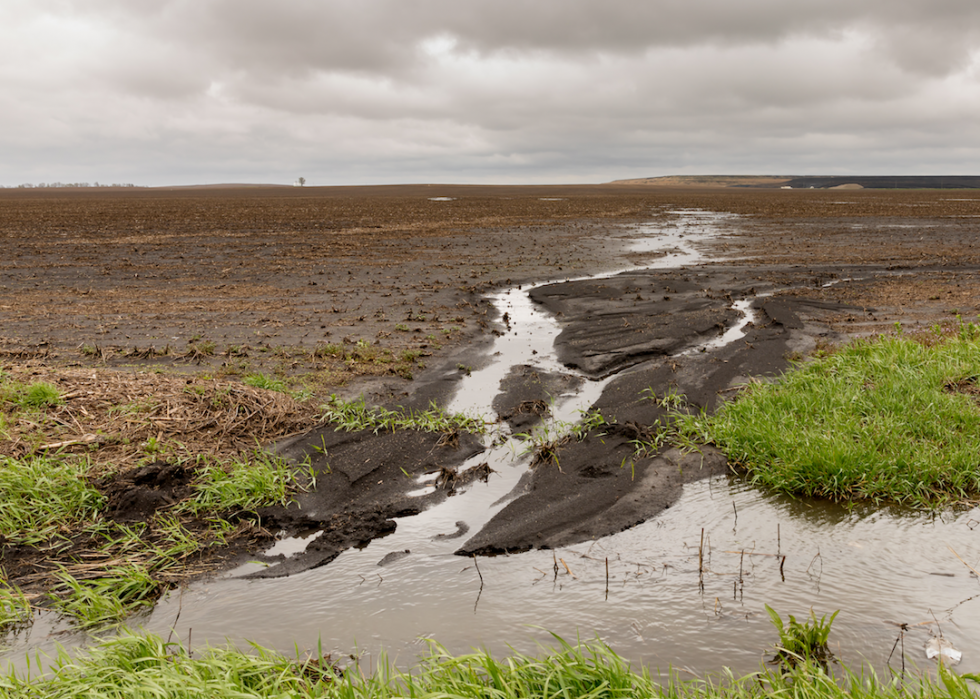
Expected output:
(241, 485)
(42, 496)
(36, 395)
(885, 419)
(15, 609)
(265, 382)
(109, 598)
(806, 642)
(356, 415)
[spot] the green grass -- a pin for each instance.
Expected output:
(264, 382)
(546, 439)
(883, 419)
(143, 666)
(40, 496)
(97, 571)
(301, 394)
(15, 610)
(802, 642)
(243, 484)
(36, 395)
(357, 415)
(111, 597)
(137, 563)
(47, 502)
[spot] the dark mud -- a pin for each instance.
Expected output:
(593, 489)
(576, 490)
(612, 323)
(527, 393)
(137, 494)
(599, 486)
(364, 480)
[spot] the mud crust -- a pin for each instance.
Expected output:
(110, 280)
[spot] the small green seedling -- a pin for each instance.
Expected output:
(802, 642)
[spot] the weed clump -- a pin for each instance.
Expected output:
(355, 415)
(43, 495)
(15, 609)
(264, 382)
(802, 642)
(36, 395)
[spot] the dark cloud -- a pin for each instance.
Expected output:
(441, 89)
(383, 35)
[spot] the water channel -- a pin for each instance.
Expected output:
(640, 591)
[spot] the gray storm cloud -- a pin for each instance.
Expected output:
(551, 90)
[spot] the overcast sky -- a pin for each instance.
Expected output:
(381, 91)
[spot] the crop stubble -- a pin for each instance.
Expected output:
(296, 267)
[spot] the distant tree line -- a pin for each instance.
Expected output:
(64, 185)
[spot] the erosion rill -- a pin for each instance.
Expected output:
(632, 350)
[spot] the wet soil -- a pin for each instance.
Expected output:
(591, 489)
(527, 393)
(138, 494)
(253, 280)
(243, 281)
(365, 480)
(599, 485)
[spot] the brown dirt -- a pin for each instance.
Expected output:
(357, 289)
(281, 269)
(273, 274)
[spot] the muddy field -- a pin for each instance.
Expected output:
(382, 292)
(335, 285)
(253, 279)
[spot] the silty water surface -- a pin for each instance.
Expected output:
(881, 568)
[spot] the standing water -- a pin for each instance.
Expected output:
(653, 606)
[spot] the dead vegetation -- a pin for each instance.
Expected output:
(122, 418)
(119, 485)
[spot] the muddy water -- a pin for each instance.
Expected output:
(656, 606)
(877, 567)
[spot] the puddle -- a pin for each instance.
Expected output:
(531, 332)
(880, 568)
(292, 545)
(656, 607)
(421, 492)
(733, 333)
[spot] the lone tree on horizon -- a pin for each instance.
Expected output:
(302, 181)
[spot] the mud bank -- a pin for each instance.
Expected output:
(598, 486)
(646, 333)
(365, 479)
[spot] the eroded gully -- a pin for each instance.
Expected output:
(882, 568)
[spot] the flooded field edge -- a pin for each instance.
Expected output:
(653, 618)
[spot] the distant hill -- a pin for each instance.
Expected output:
(814, 181)
(711, 181)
